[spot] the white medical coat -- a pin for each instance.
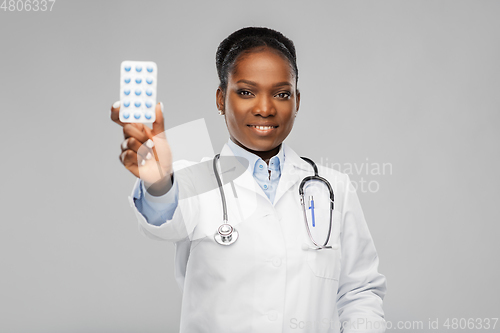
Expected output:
(268, 281)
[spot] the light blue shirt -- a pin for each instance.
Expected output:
(157, 210)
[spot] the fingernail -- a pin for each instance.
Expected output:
(125, 145)
(143, 162)
(116, 105)
(150, 143)
(161, 106)
(148, 156)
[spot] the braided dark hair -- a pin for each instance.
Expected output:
(246, 39)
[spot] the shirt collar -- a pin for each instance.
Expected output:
(254, 159)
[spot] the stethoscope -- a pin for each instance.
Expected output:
(226, 234)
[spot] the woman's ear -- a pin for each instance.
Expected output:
(297, 101)
(219, 100)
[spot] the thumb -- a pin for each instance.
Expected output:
(158, 125)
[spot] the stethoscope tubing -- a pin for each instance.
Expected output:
(301, 193)
(219, 182)
(229, 237)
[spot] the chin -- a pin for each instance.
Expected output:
(263, 146)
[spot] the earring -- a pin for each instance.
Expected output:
(220, 112)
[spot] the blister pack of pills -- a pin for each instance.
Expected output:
(138, 91)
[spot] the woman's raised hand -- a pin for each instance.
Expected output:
(145, 152)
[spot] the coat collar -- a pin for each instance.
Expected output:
(253, 158)
(293, 170)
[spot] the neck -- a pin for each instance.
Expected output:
(265, 155)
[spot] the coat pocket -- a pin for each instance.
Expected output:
(326, 263)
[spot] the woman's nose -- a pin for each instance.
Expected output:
(264, 106)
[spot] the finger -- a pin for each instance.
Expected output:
(150, 143)
(130, 161)
(130, 157)
(149, 132)
(139, 126)
(115, 113)
(158, 125)
(134, 145)
(130, 130)
(137, 140)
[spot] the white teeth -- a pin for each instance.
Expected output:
(263, 127)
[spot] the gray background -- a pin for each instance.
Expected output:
(410, 83)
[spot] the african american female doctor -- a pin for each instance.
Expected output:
(267, 281)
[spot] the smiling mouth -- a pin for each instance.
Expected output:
(262, 128)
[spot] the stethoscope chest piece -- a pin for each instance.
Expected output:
(226, 234)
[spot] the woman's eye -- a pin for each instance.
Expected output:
(244, 93)
(285, 95)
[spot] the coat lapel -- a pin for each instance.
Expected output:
(294, 170)
(238, 170)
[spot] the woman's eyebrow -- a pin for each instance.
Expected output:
(279, 84)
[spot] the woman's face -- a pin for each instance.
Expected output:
(260, 92)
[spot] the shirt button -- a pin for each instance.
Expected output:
(260, 166)
(277, 262)
(265, 186)
(272, 315)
